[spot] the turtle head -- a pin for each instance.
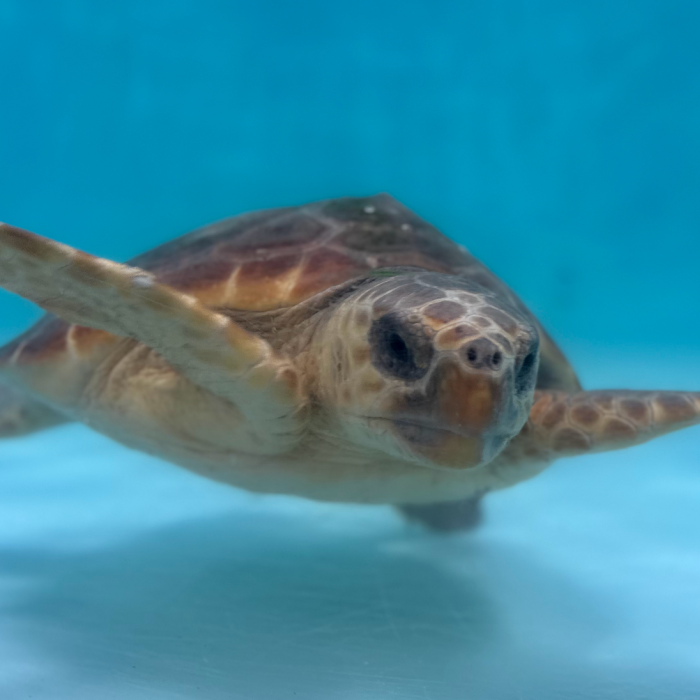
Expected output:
(431, 368)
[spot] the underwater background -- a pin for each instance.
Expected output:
(558, 141)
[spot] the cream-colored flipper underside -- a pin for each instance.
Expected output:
(207, 347)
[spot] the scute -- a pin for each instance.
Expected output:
(284, 232)
(387, 228)
(45, 340)
(280, 257)
(323, 244)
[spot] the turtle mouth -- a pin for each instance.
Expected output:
(415, 432)
(444, 447)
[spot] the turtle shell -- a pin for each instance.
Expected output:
(280, 257)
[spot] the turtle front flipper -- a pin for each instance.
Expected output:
(562, 424)
(20, 414)
(206, 347)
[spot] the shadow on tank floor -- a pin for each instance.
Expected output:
(450, 517)
(119, 571)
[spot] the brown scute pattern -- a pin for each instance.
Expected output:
(348, 237)
(86, 339)
(202, 242)
(543, 401)
(409, 258)
(197, 275)
(382, 225)
(278, 258)
(288, 232)
(570, 440)
(45, 341)
(585, 415)
(618, 428)
(562, 423)
(451, 338)
(378, 209)
(257, 281)
(503, 342)
(324, 268)
(605, 402)
(444, 311)
(554, 415)
(676, 407)
(256, 270)
(637, 410)
(503, 320)
(409, 294)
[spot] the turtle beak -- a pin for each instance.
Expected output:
(462, 419)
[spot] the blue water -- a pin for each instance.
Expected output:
(561, 143)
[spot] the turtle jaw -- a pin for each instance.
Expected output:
(439, 447)
(460, 418)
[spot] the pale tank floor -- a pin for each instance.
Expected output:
(122, 577)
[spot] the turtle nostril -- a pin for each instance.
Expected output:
(483, 354)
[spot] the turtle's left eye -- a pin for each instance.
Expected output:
(398, 348)
(395, 350)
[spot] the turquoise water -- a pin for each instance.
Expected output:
(561, 143)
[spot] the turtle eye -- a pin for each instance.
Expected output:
(397, 351)
(526, 377)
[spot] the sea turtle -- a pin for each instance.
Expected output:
(344, 350)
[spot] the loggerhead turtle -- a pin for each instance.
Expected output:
(344, 351)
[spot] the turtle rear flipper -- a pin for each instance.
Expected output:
(20, 414)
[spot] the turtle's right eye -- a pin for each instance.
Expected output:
(396, 352)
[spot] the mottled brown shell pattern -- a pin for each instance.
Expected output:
(279, 258)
